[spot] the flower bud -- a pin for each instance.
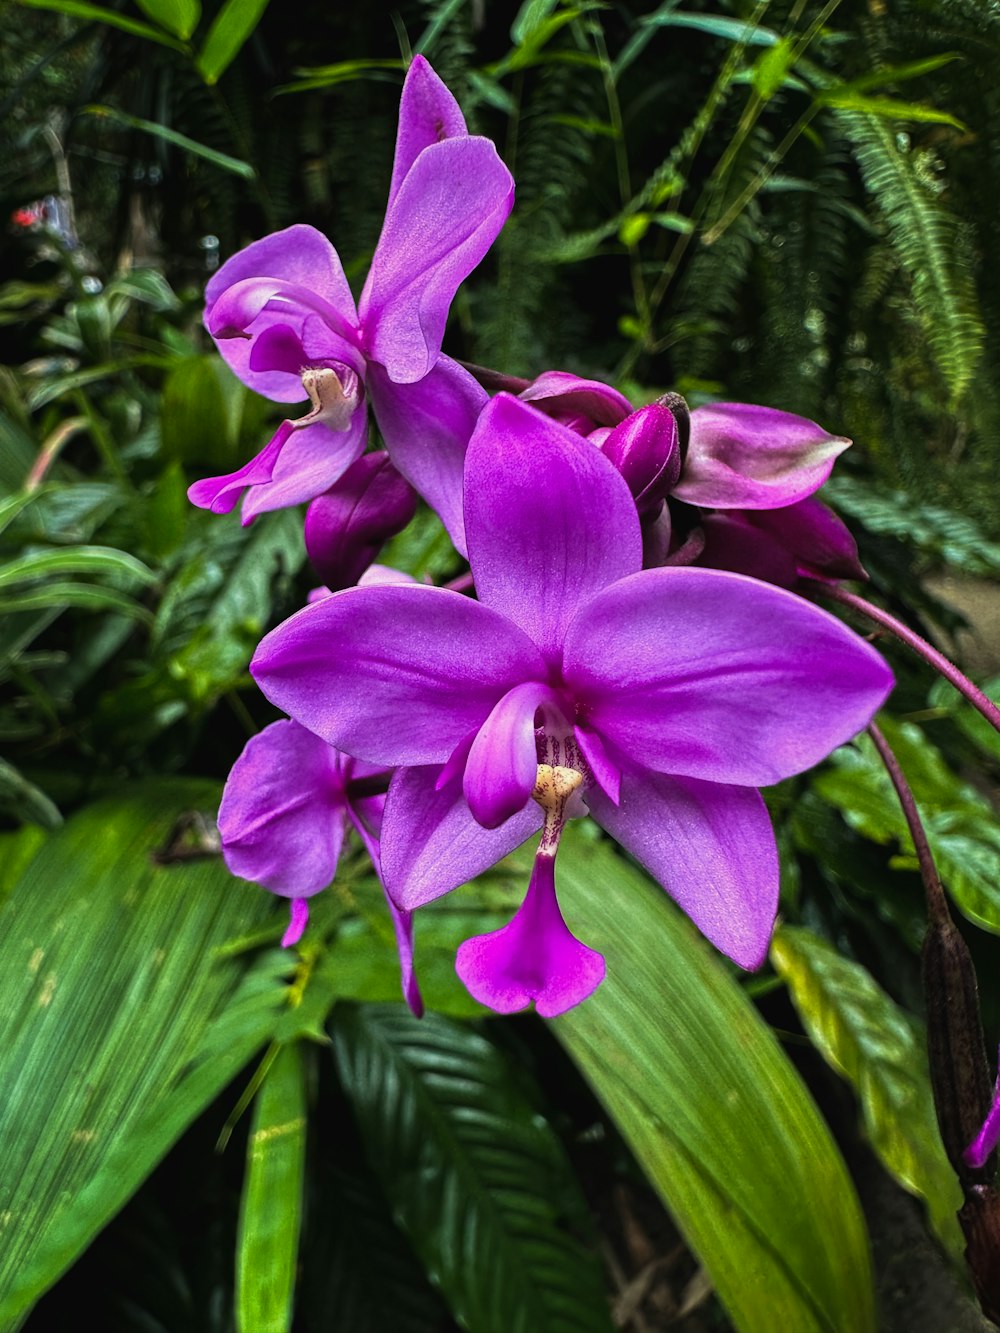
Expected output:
(347, 526)
(645, 448)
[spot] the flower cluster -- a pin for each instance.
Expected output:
(634, 650)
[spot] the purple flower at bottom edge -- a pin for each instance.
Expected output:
(287, 805)
(659, 700)
(283, 316)
(978, 1153)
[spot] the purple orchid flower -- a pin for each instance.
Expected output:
(287, 805)
(657, 699)
(782, 546)
(348, 525)
(283, 316)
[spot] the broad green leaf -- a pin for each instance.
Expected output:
(17, 851)
(712, 1108)
(474, 1175)
(105, 560)
(202, 410)
(962, 827)
(771, 67)
(230, 29)
(79, 9)
(882, 1052)
(223, 160)
(122, 1020)
(271, 1208)
(971, 722)
(178, 16)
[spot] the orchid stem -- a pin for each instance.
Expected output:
(930, 654)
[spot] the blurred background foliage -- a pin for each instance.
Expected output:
(776, 201)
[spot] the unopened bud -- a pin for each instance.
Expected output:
(347, 526)
(645, 448)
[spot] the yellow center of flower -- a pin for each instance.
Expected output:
(554, 785)
(332, 403)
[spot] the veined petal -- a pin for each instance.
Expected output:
(446, 215)
(502, 765)
(712, 848)
(534, 957)
(222, 494)
(428, 113)
(712, 675)
(548, 519)
(431, 843)
(282, 813)
(746, 457)
(426, 427)
(395, 674)
(309, 463)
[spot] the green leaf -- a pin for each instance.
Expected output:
(178, 16)
(123, 1020)
(26, 802)
(17, 851)
(945, 697)
(771, 68)
(87, 596)
(716, 25)
(96, 13)
(230, 29)
(712, 1108)
(202, 411)
(889, 108)
(882, 1052)
(223, 160)
(530, 17)
(961, 826)
(271, 1208)
(105, 560)
(913, 69)
(474, 1175)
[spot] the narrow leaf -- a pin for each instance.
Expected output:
(97, 13)
(231, 28)
(223, 160)
(771, 68)
(271, 1209)
(890, 108)
(76, 560)
(712, 1108)
(178, 16)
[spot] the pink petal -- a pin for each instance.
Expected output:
(428, 113)
(575, 402)
(982, 1147)
(446, 215)
(534, 957)
(746, 457)
(712, 675)
(431, 843)
(393, 674)
(297, 922)
(549, 520)
(710, 846)
(503, 763)
(222, 494)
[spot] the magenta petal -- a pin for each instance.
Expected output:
(426, 427)
(280, 348)
(348, 524)
(402, 924)
(222, 494)
(979, 1151)
(282, 813)
(311, 460)
(298, 919)
(746, 457)
(431, 843)
(393, 674)
(710, 846)
(446, 215)
(569, 399)
(712, 675)
(502, 765)
(428, 113)
(534, 957)
(815, 536)
(735, 543)
(548, 519)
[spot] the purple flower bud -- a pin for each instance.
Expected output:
(782, 545)
(645, 448)
(347, 526)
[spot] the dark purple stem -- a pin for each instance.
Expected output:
(495, 381)
(930, 654)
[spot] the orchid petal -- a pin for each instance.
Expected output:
(298, 919)
(607, 773)
(711, 675)
(428, 113)
(567, 398)
(534, 957)
(735, 543)
(502, 765)
(447, 213)
(431, 843)
(549, 520)
(746, 457)
(282, 813)
(346, 526)
(426, 427)
(710, 846)
(311, 460)
(222, 494)
(815, 536)
(402, 924)
(982, 1147)
(394, 675)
